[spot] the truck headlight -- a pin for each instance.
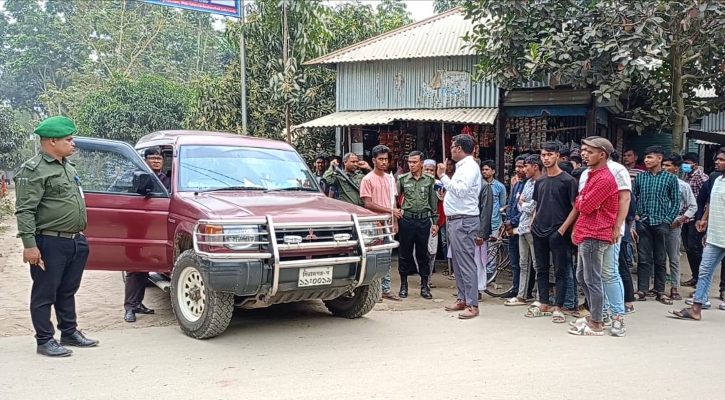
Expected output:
(369, 230)
(241, 237)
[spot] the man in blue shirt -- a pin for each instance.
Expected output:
(498, 190)
(512, 222)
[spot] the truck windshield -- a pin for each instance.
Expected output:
(211, 167)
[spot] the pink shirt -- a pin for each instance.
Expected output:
(378, 189)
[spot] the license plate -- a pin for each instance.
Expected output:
(315, 276)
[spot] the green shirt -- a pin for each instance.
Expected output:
(48, 198)
(346, 191)
(658, 197)
(419, 195)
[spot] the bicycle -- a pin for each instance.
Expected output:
(498, 248)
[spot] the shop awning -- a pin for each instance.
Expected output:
(480, 116)
(711, 137)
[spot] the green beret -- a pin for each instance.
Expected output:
(56, 127)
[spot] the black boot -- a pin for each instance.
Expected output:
(424, 289)
(403, 286)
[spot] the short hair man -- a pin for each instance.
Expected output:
(691, 238)
(658, 205)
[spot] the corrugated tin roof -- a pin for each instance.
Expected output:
(437, 36)
(704, 93)
(483, 116)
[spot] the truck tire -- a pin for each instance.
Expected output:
(200, 312)
(360, 303)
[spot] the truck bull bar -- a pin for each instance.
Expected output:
(220, 239)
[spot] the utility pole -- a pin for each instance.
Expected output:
(243, 68)
(285, 44)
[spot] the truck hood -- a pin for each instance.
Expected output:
(282, 206)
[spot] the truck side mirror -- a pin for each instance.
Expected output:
(143, 184)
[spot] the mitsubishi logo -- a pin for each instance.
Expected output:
(311, 235)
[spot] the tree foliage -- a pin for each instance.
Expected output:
(12, 139)
(128, 109)
(314, 29)
(649, 58)
(440, 6)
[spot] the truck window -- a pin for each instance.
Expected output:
(104, 171)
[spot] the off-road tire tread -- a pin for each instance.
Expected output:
(366, 300)
(219, 304)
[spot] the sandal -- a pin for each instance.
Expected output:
(675, 295)
(664, 299)
(584, 330)
(535, 312)
(558, 317)
(640, 296)
(579, 322)
(391, 296)
(514, 302)
(683, 314)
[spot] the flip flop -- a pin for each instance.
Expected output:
(535, 312)
(584, 330)
(514, 302)
(683, 314)
(558, 317)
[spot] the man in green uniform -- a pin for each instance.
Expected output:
(420, 208)
(355, 169)
(51, 214)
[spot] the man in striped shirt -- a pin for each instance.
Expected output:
(658, 205)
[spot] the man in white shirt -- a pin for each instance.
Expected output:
(461, 206)
(688, 209)
(714, 251)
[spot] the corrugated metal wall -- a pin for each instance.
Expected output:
(405, 84)
(713, 122)
(641, 142)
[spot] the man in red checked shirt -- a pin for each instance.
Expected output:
(597, 204)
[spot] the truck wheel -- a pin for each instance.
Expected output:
(201, 313)
(357, 304)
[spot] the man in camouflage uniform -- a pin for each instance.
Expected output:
(51, 215)
(355, 169)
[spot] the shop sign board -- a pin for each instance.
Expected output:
(231, 8)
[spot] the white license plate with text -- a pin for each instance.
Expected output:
(316, 276)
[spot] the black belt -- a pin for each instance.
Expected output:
(459, 216)
(66, 235)
(408, 214)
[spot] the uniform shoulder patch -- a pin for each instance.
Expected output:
(32, 164)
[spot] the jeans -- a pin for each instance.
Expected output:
(651, 250)
(526, 263)
(559, 247)
(612, 281)
(692, 239)
(625, 275)
(711, 257)
(515, 259)
(571, 300)
(673, 253)
(386, 282)
(589, 274)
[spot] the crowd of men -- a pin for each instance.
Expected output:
(571, 217)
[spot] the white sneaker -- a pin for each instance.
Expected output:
(618, 329)
(706, 306)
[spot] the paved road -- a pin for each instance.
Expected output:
(294, 353)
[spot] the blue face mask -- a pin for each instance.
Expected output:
(686, 168)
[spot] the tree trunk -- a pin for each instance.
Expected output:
(678, 103)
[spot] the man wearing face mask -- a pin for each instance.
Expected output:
(691, 238)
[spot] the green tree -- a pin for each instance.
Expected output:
(440, 6)
(647, 57)
(310, 91)
(128, 109)
(392, 14)
(12, 139)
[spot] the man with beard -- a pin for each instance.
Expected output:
(354, 170)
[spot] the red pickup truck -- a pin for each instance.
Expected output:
(243, 225)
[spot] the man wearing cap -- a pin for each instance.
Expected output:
(612, 280)
(51, 216)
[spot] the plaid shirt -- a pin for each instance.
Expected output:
(598, 204)
(696, 179)
(658, 197)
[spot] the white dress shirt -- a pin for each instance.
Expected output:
(463, 189)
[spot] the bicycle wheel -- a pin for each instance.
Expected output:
(499, 281)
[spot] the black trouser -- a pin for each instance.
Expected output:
(56, 287)
(692, 240)
(560, 248)
(722, 276)
(135, 289)
(625, 274)
(652, 253)
(414, 234)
